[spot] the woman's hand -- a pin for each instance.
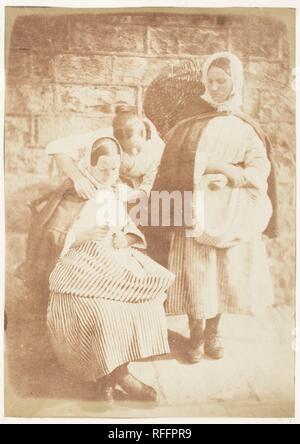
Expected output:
(235, 174)
(84, 187)
(216, 181)
(137, 195)
(236, 177)
(120, 241)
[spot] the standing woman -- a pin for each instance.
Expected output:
(142, 150)
(221, 267)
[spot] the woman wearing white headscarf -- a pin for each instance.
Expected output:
(106, 297)
(222, 266)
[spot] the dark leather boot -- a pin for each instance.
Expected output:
(195, 350)
(107, 390)
(136, 389)
(212, 343)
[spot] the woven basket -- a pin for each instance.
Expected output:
(175, 95)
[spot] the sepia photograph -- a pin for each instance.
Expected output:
(150, 212)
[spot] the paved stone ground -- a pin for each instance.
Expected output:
(255, 378)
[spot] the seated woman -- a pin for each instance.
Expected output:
(53, 213)
(106, 297)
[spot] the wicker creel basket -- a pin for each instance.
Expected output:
(175, 95)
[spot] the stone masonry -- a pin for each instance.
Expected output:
(64, 72)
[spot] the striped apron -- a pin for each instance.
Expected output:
(106, 309)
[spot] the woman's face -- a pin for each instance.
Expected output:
(132, 136)
(106, 172)
(219, 84)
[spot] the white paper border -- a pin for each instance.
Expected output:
(137, 4)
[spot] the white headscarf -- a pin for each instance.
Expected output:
(233, 104)
(84, 162)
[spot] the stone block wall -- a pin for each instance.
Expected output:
(64, 72)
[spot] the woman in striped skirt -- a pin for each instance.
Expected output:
(106, 296)
(221, 265)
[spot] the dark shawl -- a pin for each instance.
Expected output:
(52, 217)
(176, 171)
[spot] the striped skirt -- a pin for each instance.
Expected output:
(213, 280)
(104, 312)
(97, 270)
